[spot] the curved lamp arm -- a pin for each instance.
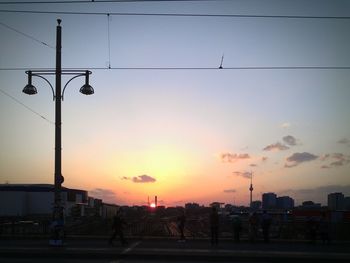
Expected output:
(48, 82)
(80, 75)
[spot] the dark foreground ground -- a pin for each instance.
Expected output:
(95, 250)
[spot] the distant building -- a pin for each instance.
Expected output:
(335, 201)
(36, 199)
(190, 206)
(310, 205)
(285, 202)
(269, 201)
(256, 205)
(218, 205)
(347, 203)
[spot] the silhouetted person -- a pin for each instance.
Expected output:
(181, 224)
(265, 225)
(311, 229)
(324, 229)
(253, 226)
(237, 227)
(214, 226)
(118, 229)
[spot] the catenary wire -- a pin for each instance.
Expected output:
(191, 68)
(177, 14)
(26, 35)
(25, 106)
(96, 1)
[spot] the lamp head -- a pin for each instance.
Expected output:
(29, 89)
(86, 89)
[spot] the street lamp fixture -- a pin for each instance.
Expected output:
(58, 95)
(86, 89)
(29, 89)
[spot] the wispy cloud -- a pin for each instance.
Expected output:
(285, 125)
(335, 159)
(344, 141)
(290, 140)
(264, 158)
(253, 165)
(229, 191)
(276, 147)
(233, 157)
(140, 179)
(298, 158)
(243, 174)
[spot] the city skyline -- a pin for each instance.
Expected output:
(190, 135)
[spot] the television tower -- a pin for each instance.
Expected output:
(251, 188)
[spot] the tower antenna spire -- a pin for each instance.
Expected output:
(251, 188)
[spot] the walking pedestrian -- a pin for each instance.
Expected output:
(181, 226)
(214, 226)
(237, 227)
(265, 225)
(118, 229)
(253, 226)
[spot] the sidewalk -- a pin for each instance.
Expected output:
(170, 249)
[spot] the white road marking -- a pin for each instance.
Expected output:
(127, 250)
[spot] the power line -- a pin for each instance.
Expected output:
(95, 1)
(178, 15)
(25, 106)
(196, 68)
(26, 35)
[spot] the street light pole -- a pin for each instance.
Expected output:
(58, 96)
(58, 213)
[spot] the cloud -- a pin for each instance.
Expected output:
(106, 195)
(140, 179)
(233, 157)
(344, 141)
(285, 125)
(229, 191)
(264, 158)
(335, 159)
(253, 165)
(298, 158)
(325, 167)
(243, 174)
(290, 140)
(143, 179)
(276, 147)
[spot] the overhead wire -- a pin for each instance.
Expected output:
(177, 14)
(94, 1)
(193, 68)
(26, 35)
(25, 106)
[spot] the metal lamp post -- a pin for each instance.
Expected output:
(58, 96)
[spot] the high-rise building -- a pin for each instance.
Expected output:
(269, 201)
(256, 205)
(285, 202)
(347, 203)
(336, 201)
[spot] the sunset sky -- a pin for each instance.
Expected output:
(190, 135)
